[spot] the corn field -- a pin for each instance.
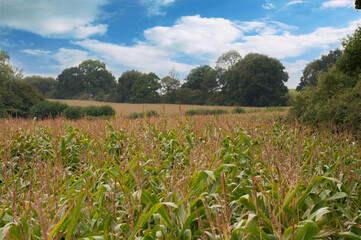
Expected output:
(229, 176)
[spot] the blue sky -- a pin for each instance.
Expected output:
(43, 37)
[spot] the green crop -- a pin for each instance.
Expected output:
(201, 177)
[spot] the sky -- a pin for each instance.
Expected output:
(43, 37)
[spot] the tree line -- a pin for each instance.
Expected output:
(255, 80)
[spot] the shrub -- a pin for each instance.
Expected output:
(47, 109)
(238, 110)
(98, 111)
(135, 115)
(74, 112)
(204, 111)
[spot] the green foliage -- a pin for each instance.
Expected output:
(77, 112)
(16, 97)
(135, 115)
(238, 110)
(88, 80)
(314, 68)
(337, 99)
(97, 111)
(179, 180)
(125, 83)
(205, 111)
(45, 85)
(256, 80)
(74, 112)
(144, 89)
(46, 109)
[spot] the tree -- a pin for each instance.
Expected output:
(227, 60)
(258, 80)
(46, 85)
(314, 68)
(71, 84)
(97, 78)
(125, 84)
(144, 89)
(16, 96)
(195, 77)
(358, 4)
(337, 98)
(87, 81)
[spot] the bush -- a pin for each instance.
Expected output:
(238, 110)
(143, 114)
(74, 112)
(204, 111)
(47, 109)
(98, 111)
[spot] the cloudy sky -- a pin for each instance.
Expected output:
(44, 37)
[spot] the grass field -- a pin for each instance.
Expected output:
(123, 109)
(232, 176)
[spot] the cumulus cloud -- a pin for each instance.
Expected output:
(154, 6)
(338, 3)
(194, 35)
(63, 19)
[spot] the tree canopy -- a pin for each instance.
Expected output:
(16, 96)
(87, 81)
(314, 68)
(258, 80)
(45, 85)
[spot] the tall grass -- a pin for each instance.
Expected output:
(200, 177)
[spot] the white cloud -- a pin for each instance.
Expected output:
(142, 56)
(154, 6)
(294, 70)
(71, 57)
(36, 52)
(338, 3)
(195, 36)
(64, 19)
(293, 2)
(268, 6)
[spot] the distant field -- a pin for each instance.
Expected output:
(127, 108)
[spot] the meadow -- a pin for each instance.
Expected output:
(229, 176)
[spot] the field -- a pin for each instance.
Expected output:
(123, 109)
(232, 176)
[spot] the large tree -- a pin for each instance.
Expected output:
(125, 84)
(144, 89)
(314, 68)
(89, 80)
(258, 80)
